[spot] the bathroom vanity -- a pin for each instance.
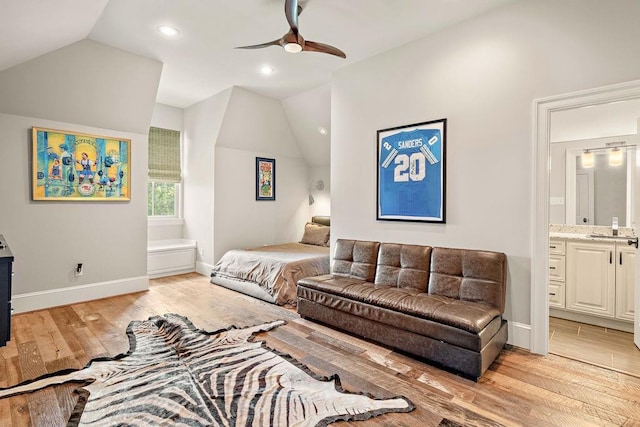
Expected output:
(592, 278)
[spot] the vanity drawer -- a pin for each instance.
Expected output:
(556, 294)
(557, 247)
(556, 267)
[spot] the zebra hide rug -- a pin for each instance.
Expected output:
(175, 374)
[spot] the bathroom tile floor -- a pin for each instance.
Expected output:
(596, 345)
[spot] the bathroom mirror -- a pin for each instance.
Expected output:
(594, 195)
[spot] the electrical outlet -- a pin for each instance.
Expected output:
(201, 252)
(79, 269)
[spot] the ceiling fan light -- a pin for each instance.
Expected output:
(615, 157)
(292, 47)
(588, 160)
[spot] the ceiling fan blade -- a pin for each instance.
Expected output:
(291, 9)
(260, 46)
(323, 48)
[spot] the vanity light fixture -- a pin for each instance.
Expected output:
(588, 160)
(615, 156)
(615, 149)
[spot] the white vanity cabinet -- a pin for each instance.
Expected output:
(557, 273)
(600, 278)
(591, 278)
(625, 281)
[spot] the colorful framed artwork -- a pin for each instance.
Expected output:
(265, 179)
(80, 167)
(411, 172)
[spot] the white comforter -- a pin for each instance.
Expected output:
(276, 269)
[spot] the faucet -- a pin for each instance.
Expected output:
(614, 226)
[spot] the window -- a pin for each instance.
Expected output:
(165, 175)
(162, 198)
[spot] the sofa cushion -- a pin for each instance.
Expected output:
(397, 319)
(356, 259)
(403, 266)
(465, 315)
(469, 275)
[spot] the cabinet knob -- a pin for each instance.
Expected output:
(552, 294)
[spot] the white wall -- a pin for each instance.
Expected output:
(256, 126)
(167, 117)
(240, 220)
(202, 123)
(322, 204)
(223, 136)
(595, 121)
(306, 112)
(49, 238)
(86, 82)
(483, 76)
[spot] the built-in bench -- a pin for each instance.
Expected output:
(170, 257)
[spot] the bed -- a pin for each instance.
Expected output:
(270, 273)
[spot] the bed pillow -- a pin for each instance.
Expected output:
(316, 234)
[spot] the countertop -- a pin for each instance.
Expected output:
(588, 237)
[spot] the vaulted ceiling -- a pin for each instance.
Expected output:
(202, 60)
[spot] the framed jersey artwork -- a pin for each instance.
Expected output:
(411, 172)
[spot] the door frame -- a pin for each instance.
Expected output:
(542, 109)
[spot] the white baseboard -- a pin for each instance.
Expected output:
(55, 297)
(204, 268)
(170, 272)
(519, 335)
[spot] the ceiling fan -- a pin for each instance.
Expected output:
(293, 42)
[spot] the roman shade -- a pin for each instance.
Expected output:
(164, 155)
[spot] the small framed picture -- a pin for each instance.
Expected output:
(265, 179)
(411, 172)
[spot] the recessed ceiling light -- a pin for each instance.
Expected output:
(322, 130)
(267, 70)
(168, 30)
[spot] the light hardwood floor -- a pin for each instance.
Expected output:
(518, 389)
(600, 346)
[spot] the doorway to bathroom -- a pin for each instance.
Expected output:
(576, 335)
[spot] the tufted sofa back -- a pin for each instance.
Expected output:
(356, 259)
(464, 274)
(469, 275)
(403, 266)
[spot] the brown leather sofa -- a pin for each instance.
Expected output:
(443, 305)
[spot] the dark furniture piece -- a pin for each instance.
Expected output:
(444, 305)
(6, 263)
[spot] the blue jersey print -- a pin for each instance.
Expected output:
(410, 171)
